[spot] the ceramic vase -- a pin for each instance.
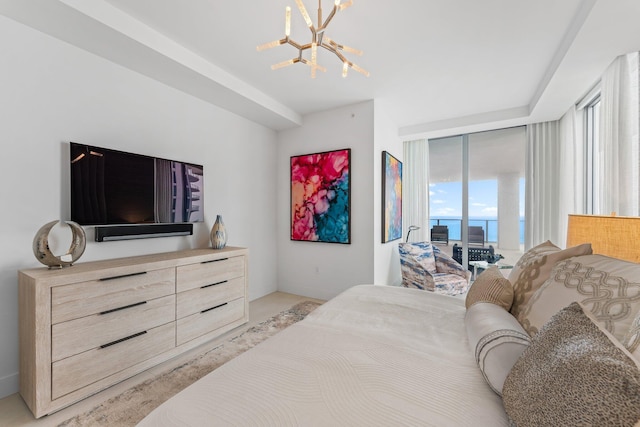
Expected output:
(218, 234)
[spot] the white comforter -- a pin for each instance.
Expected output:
(373, 356)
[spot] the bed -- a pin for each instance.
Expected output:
(372, 356)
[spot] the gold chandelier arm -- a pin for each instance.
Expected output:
(343, 47)
(319, 67)
(329, 18)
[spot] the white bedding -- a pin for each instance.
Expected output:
(373, 356)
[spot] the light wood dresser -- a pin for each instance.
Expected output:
(89, 326)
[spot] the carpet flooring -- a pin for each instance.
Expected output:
(131, 406)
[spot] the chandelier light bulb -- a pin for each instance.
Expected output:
(314, 59)
(305, 15)
(360, 70)
(350, 50)
(343, 6)
(269, 45)
(345, 69)
(282, 64)
(287, 21)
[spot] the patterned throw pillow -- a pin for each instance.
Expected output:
(573, 373)
(491, 286)
(534, 268)
(607, 287)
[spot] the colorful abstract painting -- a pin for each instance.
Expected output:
(391, 198)
(321, 197)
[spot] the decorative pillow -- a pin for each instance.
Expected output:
(573, 373)
(497, 340)
(534, 268)
(632, 339)
(491, 286)
(607, 287)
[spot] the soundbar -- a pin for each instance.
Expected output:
(143, 231)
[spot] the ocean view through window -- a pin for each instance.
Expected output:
(489, 225)
(477, 180)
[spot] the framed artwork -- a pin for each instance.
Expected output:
(391, 198)
(321, 197)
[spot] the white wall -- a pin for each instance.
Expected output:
(53, 93)
(322, 270)
(386, 257)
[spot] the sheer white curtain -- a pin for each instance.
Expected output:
(542, 182)
(571, 196)
(617, 158)
(415, 189)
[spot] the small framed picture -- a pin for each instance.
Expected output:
(391, 198)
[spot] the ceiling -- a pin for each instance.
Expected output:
(436, 65)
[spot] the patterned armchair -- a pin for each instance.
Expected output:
(425, 267)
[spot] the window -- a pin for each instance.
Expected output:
(592, 137)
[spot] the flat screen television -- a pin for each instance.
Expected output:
(110, 187)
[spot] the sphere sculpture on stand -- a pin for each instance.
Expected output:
(43, 253)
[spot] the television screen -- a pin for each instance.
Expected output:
(114, 187)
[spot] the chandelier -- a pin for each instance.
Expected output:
(318, 39)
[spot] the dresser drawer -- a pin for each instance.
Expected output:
(207, 296)
(208, 320)
(86, 298)
(207, 273)
(86, 368)
(79, 335)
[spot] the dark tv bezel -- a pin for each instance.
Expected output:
(146, 225)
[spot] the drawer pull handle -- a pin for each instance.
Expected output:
(123, 308)
(214, 260)
(213, 284)
(213, 308)
(104, 279)
(123, 339)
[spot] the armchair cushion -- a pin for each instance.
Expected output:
(425, 267)
(422, 253)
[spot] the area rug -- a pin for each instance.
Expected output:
(131, 406)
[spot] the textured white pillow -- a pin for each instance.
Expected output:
(607, 287)
(497, 340)
(534, 268)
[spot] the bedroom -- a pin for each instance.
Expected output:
(57, 88)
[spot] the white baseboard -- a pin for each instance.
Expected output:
(9, 385)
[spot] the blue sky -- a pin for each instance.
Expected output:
(445, 199)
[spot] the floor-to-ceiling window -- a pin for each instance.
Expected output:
(476, 185)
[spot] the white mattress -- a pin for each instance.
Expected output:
(373, 356)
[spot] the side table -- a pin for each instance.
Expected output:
(483, 265)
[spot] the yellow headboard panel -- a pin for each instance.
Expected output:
(614, 236)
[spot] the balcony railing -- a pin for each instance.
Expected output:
(489, 226)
